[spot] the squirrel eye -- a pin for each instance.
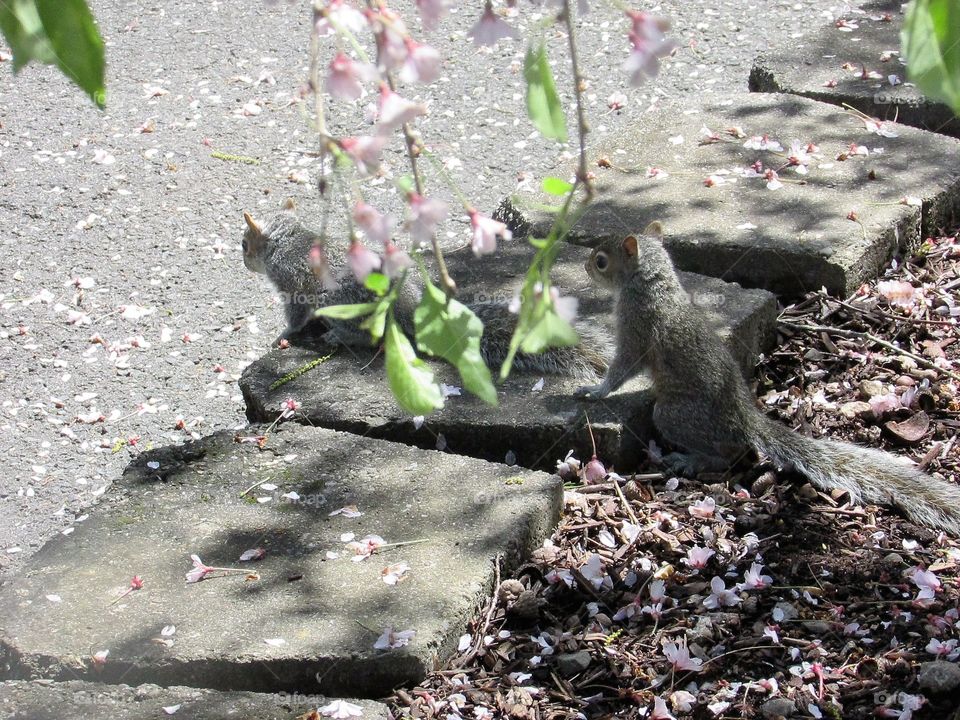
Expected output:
(601, 261)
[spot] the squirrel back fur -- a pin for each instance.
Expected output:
(704, 406)
(279, 248)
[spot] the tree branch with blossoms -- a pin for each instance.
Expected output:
(441, 325)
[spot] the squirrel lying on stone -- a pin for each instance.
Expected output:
(280, 247)
(703, 405)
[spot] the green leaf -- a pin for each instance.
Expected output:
(449, 329)
(556, 186)
(57, 32)
(410, 380)
(543, 104)
(931, 47)
(377, 283)
(549, 330)
(346, 312)
(377, 321)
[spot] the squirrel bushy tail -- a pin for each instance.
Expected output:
(865, 473)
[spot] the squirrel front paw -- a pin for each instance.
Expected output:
(592, 392)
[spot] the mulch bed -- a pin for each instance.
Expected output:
(807, 606)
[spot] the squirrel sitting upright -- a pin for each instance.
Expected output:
(703, 405)
(279, 249)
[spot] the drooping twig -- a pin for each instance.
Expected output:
(582, 128)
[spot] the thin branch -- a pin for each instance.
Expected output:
(582, 128)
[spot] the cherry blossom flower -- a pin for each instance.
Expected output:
(679, 656)
(320, 267)
(697, 557)
(720, 596)
(484, 231)
(362, 260)
(342, 14)
(703, 508)
(390, 35)
(490, 28)
(393, 639)
(928, 583)
(946, 649)
(376, 226)
(288, 407)
(341, 710)
(396, 110)
(708, 136)
(763, 142)
(395, 260)
(345, 77)
(683, 701)
(199, 572)
(100, 658)
(657, 591)
(649, 44)
(908, 703)
(799, 157)
(753, 580)
(364, 152)
(425, 215)
(773, 179)
(660, 710)
(897, 292)
(715, 179)
(569, 468)
(594, 472)
(365, 546)
(628, 611)
(657, 173)
(880, 127)
(617, 101)
(655, 611)
(431, 12)
(422, 63)
(592, 570)
(392, 574)
(566, 306)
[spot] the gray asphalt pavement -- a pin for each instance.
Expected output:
(127, 315)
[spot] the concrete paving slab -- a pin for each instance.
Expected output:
(535, 428)
(852, 61)
(834, 227)
(310, 622)
(77, 700)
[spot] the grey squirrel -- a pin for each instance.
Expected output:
(703, 405)
(279, 248)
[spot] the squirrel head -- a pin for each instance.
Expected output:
(614, 260)
(258, 239)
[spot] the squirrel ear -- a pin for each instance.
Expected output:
(629, 245)
(655, 229)
(288, 205)
(252, 224)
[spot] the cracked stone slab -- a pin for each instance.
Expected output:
(348, 391)
(834, 227)
(78, 700)
(852, 63)
(310, 622)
